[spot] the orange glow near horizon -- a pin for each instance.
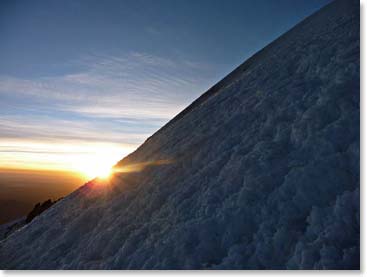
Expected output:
(88, 159)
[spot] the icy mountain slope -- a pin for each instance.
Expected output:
(261, 172)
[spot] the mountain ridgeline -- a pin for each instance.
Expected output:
(260, 172)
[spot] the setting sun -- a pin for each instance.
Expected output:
(97, 163)
(93, 170)
(89, 160)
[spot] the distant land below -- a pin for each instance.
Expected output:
(22, 189)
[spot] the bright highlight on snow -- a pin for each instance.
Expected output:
(136, 167)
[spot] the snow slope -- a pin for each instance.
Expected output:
(261, 172)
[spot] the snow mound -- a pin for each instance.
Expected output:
(261, 172)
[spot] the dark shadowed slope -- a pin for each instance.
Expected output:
(261, 172)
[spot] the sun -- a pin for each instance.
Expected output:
(96, 160)
(95, 170)
(94, 166)
(103, 173)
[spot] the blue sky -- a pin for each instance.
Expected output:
(113, 72)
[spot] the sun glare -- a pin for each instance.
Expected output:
(95, 170)
(99, 166)
(98, 163)
(89, 159)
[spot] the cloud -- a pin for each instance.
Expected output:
(136, 85)
(49, 129)
(116, 100)
(60, 154)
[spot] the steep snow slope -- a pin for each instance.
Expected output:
(262, 171)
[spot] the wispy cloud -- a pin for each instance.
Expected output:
(50, 129)
(118, 100)
(136, 85)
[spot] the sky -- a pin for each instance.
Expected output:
(83, 83)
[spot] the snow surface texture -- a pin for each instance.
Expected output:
(261, 172)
